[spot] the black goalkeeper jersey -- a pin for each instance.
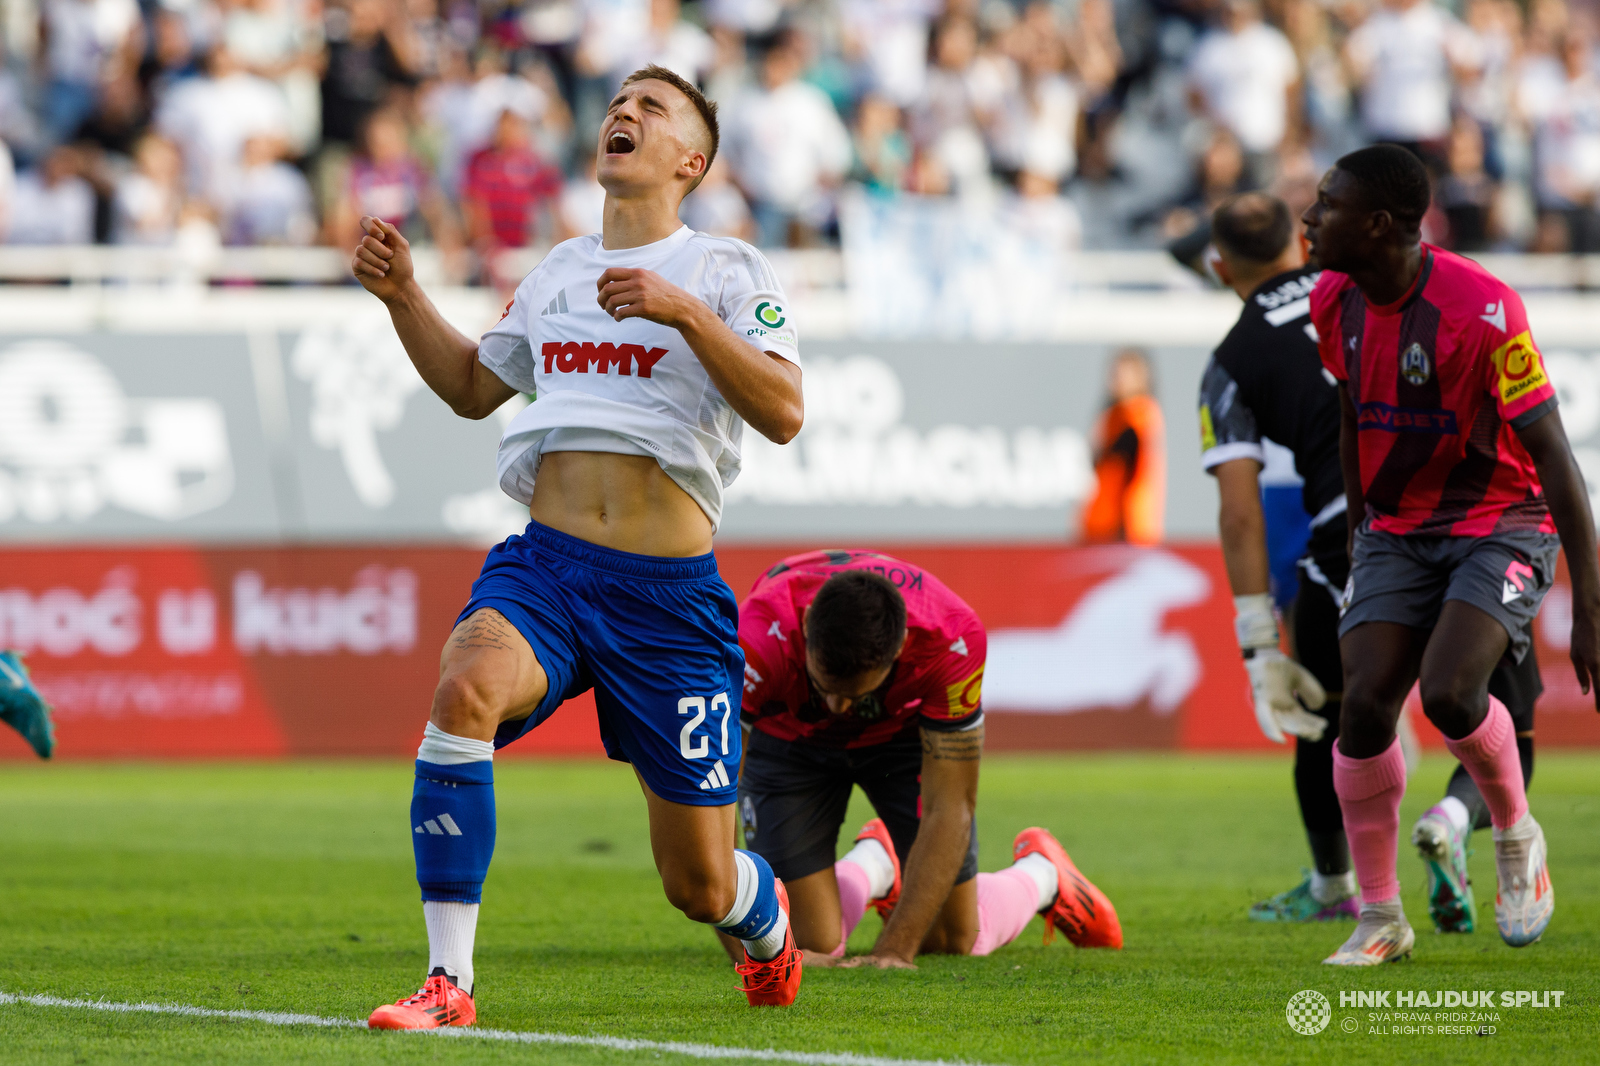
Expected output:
(1266, 380)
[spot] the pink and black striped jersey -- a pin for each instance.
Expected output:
(1441, 380)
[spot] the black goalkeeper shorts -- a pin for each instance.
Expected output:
(793, 798)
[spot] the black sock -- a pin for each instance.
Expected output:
(1330, 851)
(1319, 805)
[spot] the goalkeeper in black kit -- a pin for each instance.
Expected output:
(1265, 381)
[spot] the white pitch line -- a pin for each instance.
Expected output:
(611, 1043)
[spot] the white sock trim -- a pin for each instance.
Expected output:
(1525, 829)
(874, 861)
(1328, 889)
(1044, 874)
(446, 749)
(452, 929)
(1456, 811)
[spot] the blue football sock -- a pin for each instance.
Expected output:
(756, 918)
(452, 828)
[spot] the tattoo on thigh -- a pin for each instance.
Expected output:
(965, 746)
(484, 630)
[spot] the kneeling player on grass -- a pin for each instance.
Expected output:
(1266, 381)
(623, 460)
(864, 670)
(1459, 478)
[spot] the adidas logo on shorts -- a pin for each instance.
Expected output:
(717, 778)
(433, 826)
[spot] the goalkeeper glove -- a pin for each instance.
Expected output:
(1276, 679)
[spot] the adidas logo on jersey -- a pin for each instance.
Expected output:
(433, 826)
(558, 306)
(717, 778)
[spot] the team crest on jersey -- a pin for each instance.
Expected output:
(1519, 369)
(1415, 366)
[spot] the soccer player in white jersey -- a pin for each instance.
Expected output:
(648, 347)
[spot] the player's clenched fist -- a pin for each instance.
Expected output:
(629, 293)
(382, 261)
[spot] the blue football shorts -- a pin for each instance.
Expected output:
(656, 638)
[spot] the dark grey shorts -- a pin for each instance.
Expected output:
(1407, 579)
(793, 798)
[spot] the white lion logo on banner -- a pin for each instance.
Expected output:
(73, 443)
(1110, 650)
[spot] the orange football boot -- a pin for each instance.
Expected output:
(437, 1003)
(1081, 910)
(776, 982)
(876, 830)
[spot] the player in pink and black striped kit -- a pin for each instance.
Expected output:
(1462, 488)
(861, 669)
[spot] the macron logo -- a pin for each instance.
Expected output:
(431, 826)
(558, 306)
(717, 778)
(575, 357)
(1495, 315)
(960, 646)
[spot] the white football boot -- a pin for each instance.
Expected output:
(1525, 900)
(1382, 935)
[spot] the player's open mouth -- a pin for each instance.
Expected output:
(619, 143)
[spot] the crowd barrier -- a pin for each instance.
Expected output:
(187, 652)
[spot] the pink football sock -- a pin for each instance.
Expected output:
(1369, 795)
(1006, 900)
(855, 892)
(1489, 753)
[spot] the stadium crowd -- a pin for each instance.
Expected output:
(472, 121)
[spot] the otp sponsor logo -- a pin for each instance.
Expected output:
(576, 357)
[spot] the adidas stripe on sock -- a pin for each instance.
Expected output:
(756, 919)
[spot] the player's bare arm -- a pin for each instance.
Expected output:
(950, 762)
(762, 387)
(446, 359)
(1568, 498)
(1242, 526)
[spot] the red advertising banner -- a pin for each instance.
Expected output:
(261, 652)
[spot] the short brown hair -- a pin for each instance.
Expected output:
(707, 108)
(855, 623)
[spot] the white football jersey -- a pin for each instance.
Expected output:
(632, 386)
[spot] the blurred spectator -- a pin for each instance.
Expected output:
(149, 199)
(889, 39)
(270, 201)
(1404, 57)
(271, 41)
(1567, 147)
(85, 41)
(717, 208)
(1243, 75)
(371, 52)
(387, 181)
(882, 150)
(508, 189)
(8, 189)
(1036, 125)
(1220, 172)
(1325, 99)
(956, 106)
(209, 118)
(496, 91)
(786, 147)
(19, 129)
(583, 200)
(1465, 192)
(1130, 458)
(53, 203)
(669, 41)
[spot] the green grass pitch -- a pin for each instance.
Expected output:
(288, 887)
